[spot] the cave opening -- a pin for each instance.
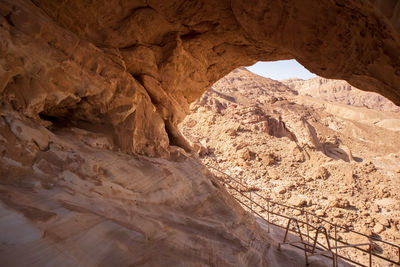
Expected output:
(130, 70)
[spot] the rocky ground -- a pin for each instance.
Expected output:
(338, 161)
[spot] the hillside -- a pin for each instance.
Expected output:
(341, 92)
(290, 147)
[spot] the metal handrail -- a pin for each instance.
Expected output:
(307, 213)
(300, 235)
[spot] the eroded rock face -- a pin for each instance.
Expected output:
(130, 69)
(340, 91)
(65, 200)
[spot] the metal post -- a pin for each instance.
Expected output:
(370, 253)
(399, 254)
(287, 230)
(251, 204)
(336, 254)
(308, 231)
(269, 222)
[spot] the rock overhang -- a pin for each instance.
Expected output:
(133, 67)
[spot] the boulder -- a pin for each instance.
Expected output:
(321, 173)
(338, 202)
(378, 228)
(280, 190)
(297, 201)
(247, 154)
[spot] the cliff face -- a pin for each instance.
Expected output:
(129, 69)
(341, 92)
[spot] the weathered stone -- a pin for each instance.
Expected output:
(337, 213)
(297, 212)
(378, 228)
(322, 173)
(280, 190)
(340, 203)
(320, 213)
(268, 159)
(366, 231)
(232, 132)
(132, 68)
(247, 154)
(384, 221)
(297, 201)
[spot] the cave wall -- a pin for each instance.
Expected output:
(130, 69)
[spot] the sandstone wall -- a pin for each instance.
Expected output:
(130, 69)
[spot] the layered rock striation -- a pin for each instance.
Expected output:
(340, 91)
(130, 69)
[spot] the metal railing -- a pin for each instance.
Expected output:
(361, 256)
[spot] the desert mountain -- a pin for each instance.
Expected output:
(302, 151)
(341, 92)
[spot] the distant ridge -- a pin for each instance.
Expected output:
(340, 91)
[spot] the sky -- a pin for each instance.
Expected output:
(281, 69)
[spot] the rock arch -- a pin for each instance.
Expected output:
(131, 68)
